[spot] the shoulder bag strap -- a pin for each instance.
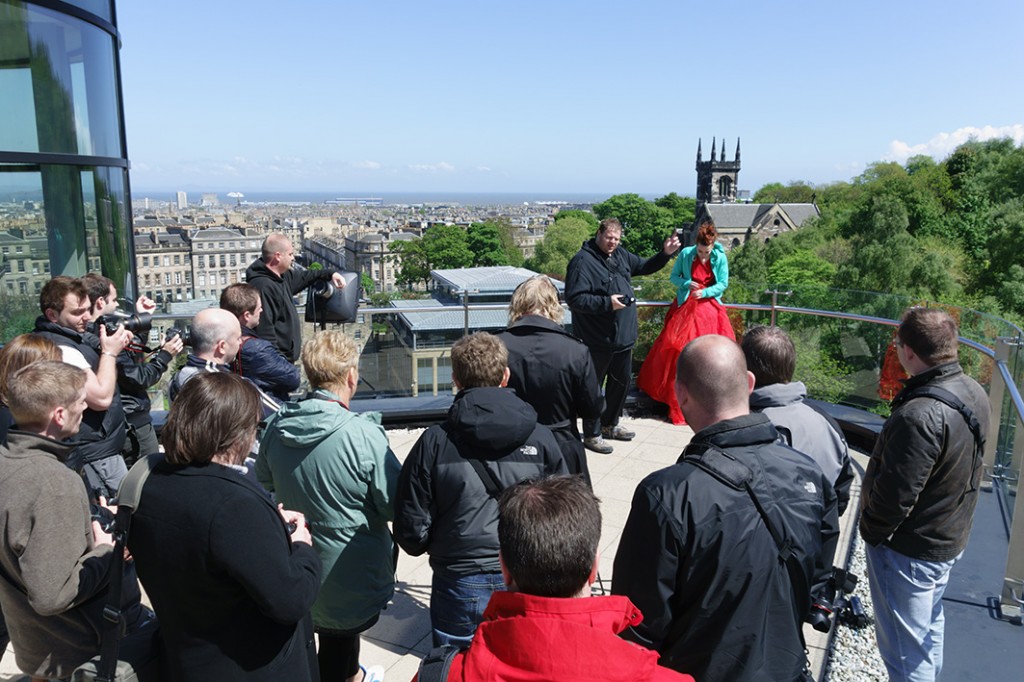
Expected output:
(435, 667)
(128, 497)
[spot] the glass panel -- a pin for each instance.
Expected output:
(58, 220)
(58, 85)
(101, 8)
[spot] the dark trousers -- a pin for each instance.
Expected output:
(614, 369)
(338, 653)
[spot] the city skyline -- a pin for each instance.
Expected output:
(550, 98)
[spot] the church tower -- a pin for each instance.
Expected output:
(717, 178)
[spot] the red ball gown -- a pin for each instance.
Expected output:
(696, 317)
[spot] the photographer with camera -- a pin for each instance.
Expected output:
(64, 303)
(55, 561)
(277, 281)
(598, 289)
(138, 368)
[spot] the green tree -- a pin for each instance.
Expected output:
(369, 286)
(587, 216)
(415, 266)
(801, 267)
(684, 209)
(447, 247)
(560, 243)
(644, 225)
(484, 241)
(796, 192)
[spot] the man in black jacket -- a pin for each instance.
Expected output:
(64, 303)
(257, 360)
(136, 373)
(919, 494)
(446, 502)
(277, 282)
(697, 555)
(599, 291)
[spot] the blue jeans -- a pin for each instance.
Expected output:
(457, 605)
(907, 596)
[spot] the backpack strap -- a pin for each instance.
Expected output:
(726, 469)
(128, 497)
(435, 667)
(951, 400)
(490, 480)
(236, 364)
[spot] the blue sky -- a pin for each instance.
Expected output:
(602, 97)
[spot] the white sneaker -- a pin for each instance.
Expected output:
(375, 673)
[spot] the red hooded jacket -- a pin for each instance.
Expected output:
(524, 638)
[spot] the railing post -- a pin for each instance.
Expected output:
(1011, 602)
(465, 306)
(775, 300)
(996, 397)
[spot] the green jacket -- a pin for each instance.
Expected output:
(683, 267)
(336, 467)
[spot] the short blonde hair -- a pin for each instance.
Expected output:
(37, 388)
(479, 360)
(536, 295)
(328, 357)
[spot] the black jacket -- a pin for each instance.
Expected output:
(921, 485)
(233, 592)
(101, 434)
(135, 376)
(442, 506)
(590, 280)
(263, 365)
(552, 371)
(699, 562)
(279, 323)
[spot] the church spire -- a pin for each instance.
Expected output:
(698, 150)
(713, 146)
(737, 150)
(722, 158)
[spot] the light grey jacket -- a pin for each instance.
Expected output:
(806, 430)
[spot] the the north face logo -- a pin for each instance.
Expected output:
(809, 487)
(530, 450)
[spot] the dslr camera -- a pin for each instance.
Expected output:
(184, 332)
(136, 323)
(627, 300)
(831, 599)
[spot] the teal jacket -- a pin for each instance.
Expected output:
(335, 466)
(684, 266)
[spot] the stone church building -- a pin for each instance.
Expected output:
(738, 221)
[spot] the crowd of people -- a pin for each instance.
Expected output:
(266, 535)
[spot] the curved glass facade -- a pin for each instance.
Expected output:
(64, 201)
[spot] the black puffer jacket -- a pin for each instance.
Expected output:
(553, 371)
(259, 362)
(921, 485)
(279, 323)
(698, 561)
(590, 280)
(442, 506)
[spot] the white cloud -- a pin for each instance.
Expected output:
(442, 167)
(483, 169)
(943, 144)
(366, 165)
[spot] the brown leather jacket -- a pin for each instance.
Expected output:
(921, 485)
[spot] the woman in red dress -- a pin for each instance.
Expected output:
(701, 274)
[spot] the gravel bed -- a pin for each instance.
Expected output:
(854, 654)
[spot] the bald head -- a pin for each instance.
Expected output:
(712, 381)
(216, 335)
(278, 253)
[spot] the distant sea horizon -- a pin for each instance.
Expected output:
(388, 198)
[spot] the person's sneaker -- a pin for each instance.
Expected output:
(617, 433)
(375, 673)
(598, 445)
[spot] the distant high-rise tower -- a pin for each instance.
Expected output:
(716, 177)
(182, 201)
